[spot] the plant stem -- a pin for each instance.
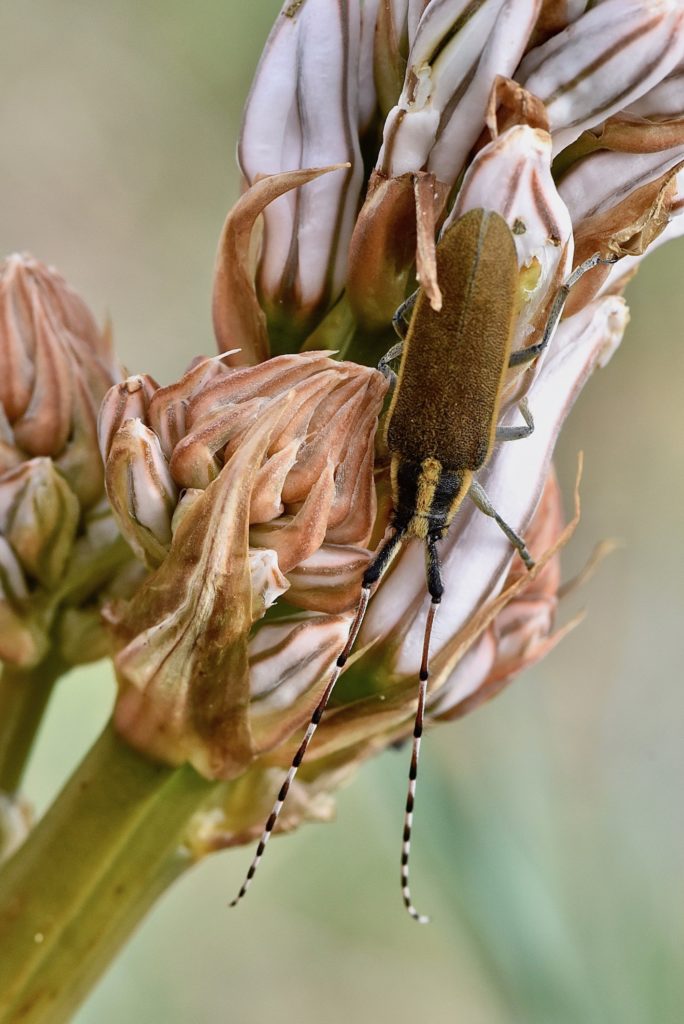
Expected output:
(85, 877)
(24, 695)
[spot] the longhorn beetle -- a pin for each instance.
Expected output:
(440, 430)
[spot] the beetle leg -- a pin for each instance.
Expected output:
(526, 355)
(517, 433)
(479, 496)
(402, 314)
(388, 358)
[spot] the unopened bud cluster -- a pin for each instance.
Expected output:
(59, 545)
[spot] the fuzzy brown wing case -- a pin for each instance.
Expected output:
(446, 401)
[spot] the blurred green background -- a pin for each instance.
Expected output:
(550, 832)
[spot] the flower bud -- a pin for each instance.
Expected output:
(608, 58)
(303, 111)
(56, 367)
(39, 517)
(141, 490)
(619, 202)
(457, 52)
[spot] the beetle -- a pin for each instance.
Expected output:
(440, 430)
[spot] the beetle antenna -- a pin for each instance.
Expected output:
(371, 578)
(436, 589)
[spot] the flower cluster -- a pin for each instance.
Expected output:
(568, 120)
(255, 488)
(252, 478)
(59, 544)
(240, 485)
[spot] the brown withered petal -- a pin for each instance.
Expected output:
(239, 320)
(296, 538)
(627, 267)
(235, 814)
(382, 250)
(426, 216)
(182, 658)
(629, 133)
(510, 105)
(620, 203)
(290, 661)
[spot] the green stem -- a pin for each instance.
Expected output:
(85, 877)
(23, 698)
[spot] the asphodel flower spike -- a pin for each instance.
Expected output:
(311, 97)
(266, 492)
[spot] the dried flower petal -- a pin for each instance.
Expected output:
(182, 662)
(299, 427)
(129, 400)
(619, 203)
(239, 320)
